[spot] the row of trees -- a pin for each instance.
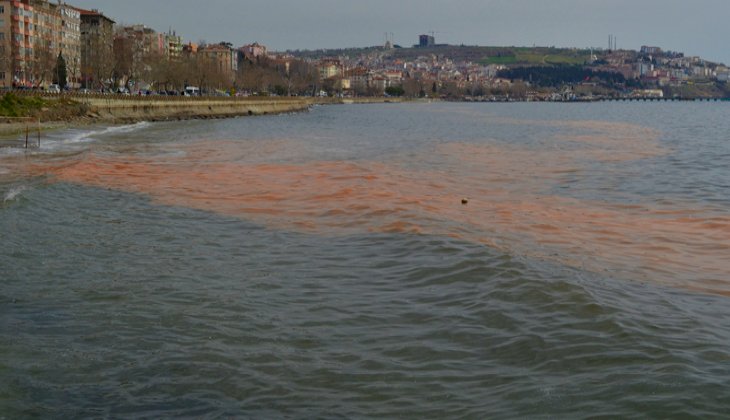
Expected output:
(130, 66)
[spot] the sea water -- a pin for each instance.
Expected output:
(323, 264)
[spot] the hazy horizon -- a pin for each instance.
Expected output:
(695, 28)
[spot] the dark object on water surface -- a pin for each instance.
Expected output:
(464, 201)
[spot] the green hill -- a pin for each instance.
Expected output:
(475, 54)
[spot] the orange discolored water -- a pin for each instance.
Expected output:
(512, 204)
(413, 260)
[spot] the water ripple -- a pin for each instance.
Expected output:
(113, 305)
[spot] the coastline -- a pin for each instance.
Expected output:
(124, 110)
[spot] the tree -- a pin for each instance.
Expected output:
(43, 62)
(395, 90)
(6, 64)
(60, 75)
(413, 87)
(98, 58)
(167, 73)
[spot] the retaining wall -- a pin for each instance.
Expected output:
(151, 109)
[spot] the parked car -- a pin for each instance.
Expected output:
(191, 91)
(54, 88)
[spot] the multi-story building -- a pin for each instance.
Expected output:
(5, 67)
(330, 68)
(146, 41)
(189, 49)
(57, 31)
(425, 41)
(359, 78)
(32, 35)
(70, 46)
(253, 51)
(97, 43)
(17, 37)
(173, 45)
(46, 43)
(645, 49)
(222, 56)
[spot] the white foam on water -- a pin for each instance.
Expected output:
(60, 141)
(91, 135)
(14, 193)
(10, 151)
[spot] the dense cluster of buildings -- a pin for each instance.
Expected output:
(653, 66)
(435, 70)
(33, 33)
(373, 74)
(98, 53)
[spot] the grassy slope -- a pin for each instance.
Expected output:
(15, 106)
(45, 109)
(477, 54)
(539, 56)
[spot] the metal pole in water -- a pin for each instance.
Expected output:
(39, 133)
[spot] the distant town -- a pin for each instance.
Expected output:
(54, 46)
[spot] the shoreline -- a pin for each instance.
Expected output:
(118, 110)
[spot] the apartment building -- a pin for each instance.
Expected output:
(6, 58)
(222, 56)
(97, 47)
(189, 49)
(330, 68)
(146, 41)
(253, 51)
(70, 46)
(32, 35)
(17, 36)
(173, 45)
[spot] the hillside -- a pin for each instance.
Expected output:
(465, 53)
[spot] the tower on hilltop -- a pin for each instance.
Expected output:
(425, 41)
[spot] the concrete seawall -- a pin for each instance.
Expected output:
(121, 109)
(117, 109)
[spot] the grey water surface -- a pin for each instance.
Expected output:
(114, 305)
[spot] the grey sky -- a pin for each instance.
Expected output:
(696, 27)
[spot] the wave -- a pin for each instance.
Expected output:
(14, 193)
(9, 152)
(87, 136)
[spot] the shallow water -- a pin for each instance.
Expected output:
(323, 264)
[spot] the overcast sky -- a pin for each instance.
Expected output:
(696, 27)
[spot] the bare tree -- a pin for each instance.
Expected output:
(44, 61)
(74, 71)
(98, 61)
(414, 87)
(6, 64)
(129, 59)
(200, 70)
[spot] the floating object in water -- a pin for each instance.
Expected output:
(464, 201)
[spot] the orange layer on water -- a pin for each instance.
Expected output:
(509, 205)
